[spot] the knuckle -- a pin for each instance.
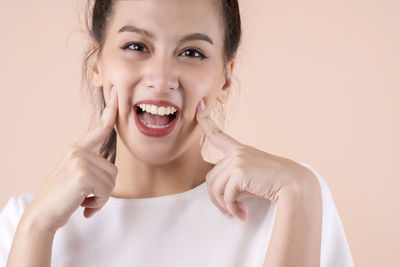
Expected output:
(235, 154)
(244, 147)
(238, 164)
(239, 170)
(217, 131)
(239, 159)
(236, 160)
(245, 183)
(73, 151)
(83, 174)
(115, 170)
(83, 182)
(205, 116)
(238, 151)
(78, 162)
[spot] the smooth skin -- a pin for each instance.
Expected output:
(296, 236)
(245, 170)
(162, 67)
(77, 174)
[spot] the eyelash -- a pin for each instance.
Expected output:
(201, 57)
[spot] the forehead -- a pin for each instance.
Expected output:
(169, 18)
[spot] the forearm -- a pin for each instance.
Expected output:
(296, 235)
(32, 245)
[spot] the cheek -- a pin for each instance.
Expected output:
(119, 72)
(202, 85)
(124, 75)
(118, 69)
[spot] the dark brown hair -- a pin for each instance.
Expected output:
(98, 14)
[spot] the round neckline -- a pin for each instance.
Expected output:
(114, 201)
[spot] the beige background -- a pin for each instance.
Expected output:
(320, 84)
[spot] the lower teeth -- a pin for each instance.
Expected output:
(155, 126)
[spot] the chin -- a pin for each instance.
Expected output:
(157, 158)
(153, 152)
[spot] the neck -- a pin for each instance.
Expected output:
(137, 179)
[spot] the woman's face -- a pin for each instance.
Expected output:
(162, 67)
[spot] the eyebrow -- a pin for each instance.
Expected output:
(185, 38)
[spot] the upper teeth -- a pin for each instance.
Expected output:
(157, 110)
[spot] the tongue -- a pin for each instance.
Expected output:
(159, 120)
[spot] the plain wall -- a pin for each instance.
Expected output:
(320, 84)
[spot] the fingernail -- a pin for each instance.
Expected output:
(202, 106)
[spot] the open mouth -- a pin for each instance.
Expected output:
(155, 121)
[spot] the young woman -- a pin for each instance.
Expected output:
(159, 69)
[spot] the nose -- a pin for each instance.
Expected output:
(161, 76)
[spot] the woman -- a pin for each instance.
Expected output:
(160, 67)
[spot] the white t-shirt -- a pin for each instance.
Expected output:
(178, 230)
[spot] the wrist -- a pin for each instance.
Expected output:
(304, 187)
(32, 223)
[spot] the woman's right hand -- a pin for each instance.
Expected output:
(78, 173)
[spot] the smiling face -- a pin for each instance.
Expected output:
(146, 56)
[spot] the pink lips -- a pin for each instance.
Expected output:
(156, 132)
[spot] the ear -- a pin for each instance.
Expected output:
(224, 91)
(97, 76)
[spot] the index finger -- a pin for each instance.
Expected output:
(219, 138)
(95, 137)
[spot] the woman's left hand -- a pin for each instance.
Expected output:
(246, 170)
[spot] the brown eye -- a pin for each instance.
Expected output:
(137, 46)
(134, 47)
(194, 52)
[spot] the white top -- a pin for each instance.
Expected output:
(178, 230)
